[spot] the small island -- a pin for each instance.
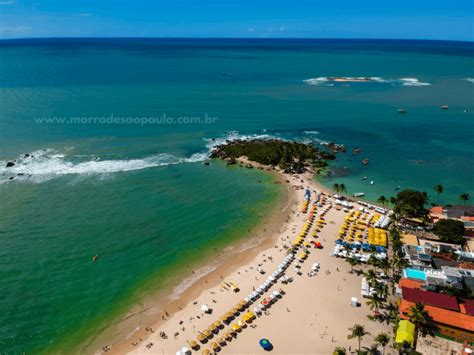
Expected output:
(291, 157)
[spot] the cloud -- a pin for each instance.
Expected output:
(7, 2)
(14, 31)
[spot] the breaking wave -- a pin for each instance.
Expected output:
(330, 81)
(44, 165)
(471, 80)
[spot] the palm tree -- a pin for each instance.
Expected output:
(383, 200)
(342, 188)
(374, 303)
(383, 340)
(371, 277)
(340, 350)
(357, 331)
(439, 190)
(419, 317)
(353, 262)
(374, 262)
(336, 188)
(464, 197)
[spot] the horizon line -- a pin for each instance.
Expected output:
(237, 38)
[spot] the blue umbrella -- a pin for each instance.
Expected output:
(265, 344)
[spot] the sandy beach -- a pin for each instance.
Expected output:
(311, 315)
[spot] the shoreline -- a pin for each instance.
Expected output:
(185, 312)
(236, 253)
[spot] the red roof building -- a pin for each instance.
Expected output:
(430, 298)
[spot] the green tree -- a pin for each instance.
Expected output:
(357, 331)
(374, 262)
(352, 262)
(336, 188)
(383, 200)
(382, 339)
(450, 231)
(342, 188)
(374, 303)
(411, 204)
(419, 317)
(371, 277)
(340, 350)
(464, 197)
(439, 190)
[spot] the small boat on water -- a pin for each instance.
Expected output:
(364, 178)
(401, 110)
(358, 194)
(444, 107)
(372, 182)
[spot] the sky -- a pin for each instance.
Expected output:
(394, 19)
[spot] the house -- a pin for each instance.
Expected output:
(451, 319)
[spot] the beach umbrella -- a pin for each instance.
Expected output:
(265, 344)
(193, 344)
(206, 352)
(185, 351)
(221, 341)
(215, 346)
(205, 308)
(217, 324)
(236, 327)
(201, 337)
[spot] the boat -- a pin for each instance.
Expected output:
(358, 194)
(372, 182)
(401, 110)
(444, 107)
(364, 178)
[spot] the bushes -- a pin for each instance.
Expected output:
(450, 231)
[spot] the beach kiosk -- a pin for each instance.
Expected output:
(405, 332)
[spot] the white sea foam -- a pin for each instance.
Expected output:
(471, 80)
(310, 132)
(413, 82)
(48, 164)
(327, 81)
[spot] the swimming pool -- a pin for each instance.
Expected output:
(414, 274)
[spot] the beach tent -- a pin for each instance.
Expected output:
(205, 308)
(405, 332)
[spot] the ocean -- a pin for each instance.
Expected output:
(109, 137)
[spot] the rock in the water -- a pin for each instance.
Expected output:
(27, 155)
(10, 164)
(206, 163)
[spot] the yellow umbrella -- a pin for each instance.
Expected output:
(206, 352)
(215, 346)
(236, 327)
(193, 344)
(201, 337)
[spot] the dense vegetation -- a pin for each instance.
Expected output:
(450, 231)
(410, 204)
(292, 157)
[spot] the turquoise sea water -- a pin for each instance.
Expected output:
(139, 195)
